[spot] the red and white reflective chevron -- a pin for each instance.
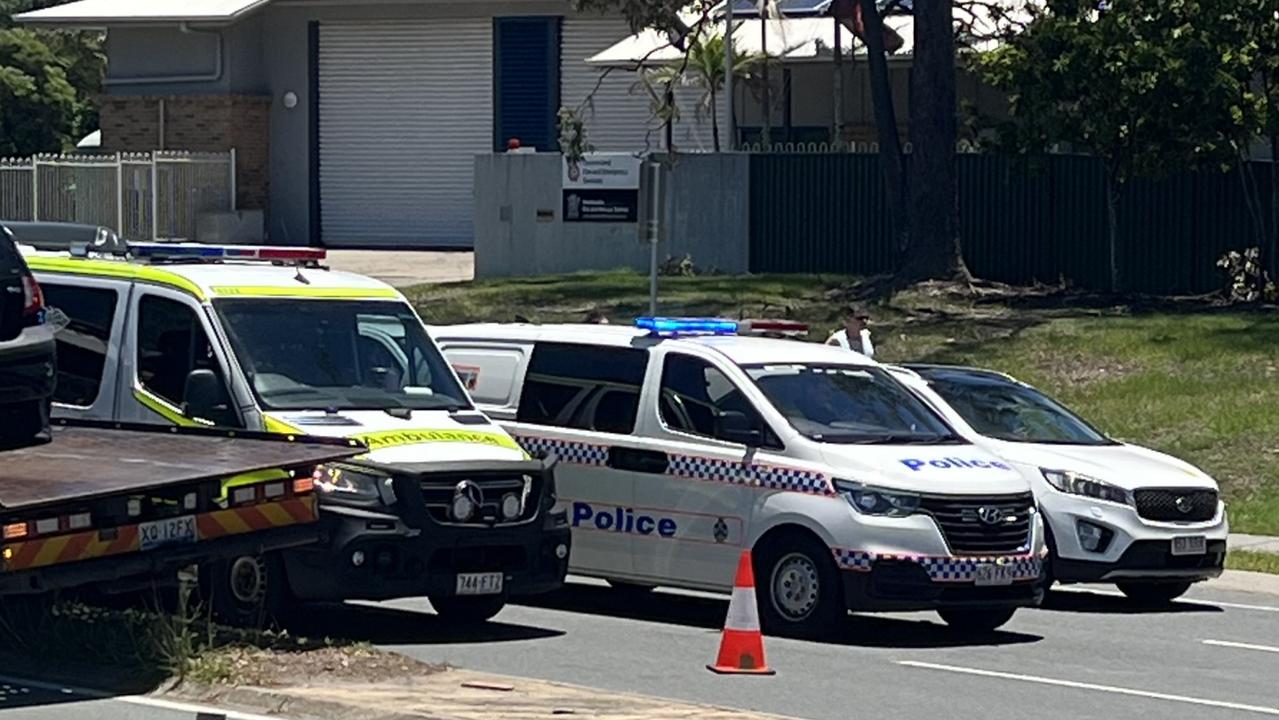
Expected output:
(741, 645)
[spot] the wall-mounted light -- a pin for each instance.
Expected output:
(290, 100)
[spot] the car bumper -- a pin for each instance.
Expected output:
(395, 560)
(28, 373)
(903, 585)
(1146, 560)
(1133, 547)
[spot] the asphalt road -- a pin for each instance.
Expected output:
(1086, 655)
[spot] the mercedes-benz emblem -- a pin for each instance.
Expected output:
(470, 491)
(990, 515)
(1184, 504)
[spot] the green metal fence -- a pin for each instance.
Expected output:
(1023, 221)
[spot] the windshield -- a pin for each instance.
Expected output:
(338, 355)
(1010, 411)
(850, 404)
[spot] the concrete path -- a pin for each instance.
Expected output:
(406, 268)
(1254, 543)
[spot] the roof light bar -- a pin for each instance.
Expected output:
(197, 251)
(786, 328)
(686, 326)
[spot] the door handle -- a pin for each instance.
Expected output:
(645, 461)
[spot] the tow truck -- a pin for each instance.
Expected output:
(107, 504)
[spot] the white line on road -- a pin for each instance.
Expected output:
(1090, 686)
(135, 699)
(1241, 646)
(1199, 601)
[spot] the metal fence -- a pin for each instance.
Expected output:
(159, 195)
(1022, 222)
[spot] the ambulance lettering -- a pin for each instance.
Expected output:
(951, 463)
(622, 520)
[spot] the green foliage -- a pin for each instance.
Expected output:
(1149, 87)
(48, 80)
(1246, 279)
(703, 68)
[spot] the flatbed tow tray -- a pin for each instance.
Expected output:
(91, 460)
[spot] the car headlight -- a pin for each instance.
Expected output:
(1076, 484)
(877, 501)
(344, 483)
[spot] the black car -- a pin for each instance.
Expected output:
(28, 367)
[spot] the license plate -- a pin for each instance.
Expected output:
(1190, 545)
(479, 583)
(171, 531)
(991, 574)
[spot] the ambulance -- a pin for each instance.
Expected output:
(682, 443)
(1115, 512)
(444, 504)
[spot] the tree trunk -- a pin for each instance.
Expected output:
(1274, 206)
(714, 118)
(1113, 189)
(933, 252)
(891, 158)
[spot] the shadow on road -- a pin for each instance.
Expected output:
(1081, 601)
(382, 625)
(708, 613)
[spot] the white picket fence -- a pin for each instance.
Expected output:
(159, 195)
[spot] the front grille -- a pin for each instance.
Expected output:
(960, 519)
(1176, 505)
(437, 495)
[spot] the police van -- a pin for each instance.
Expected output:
(445, 503)
(681, 443)
(1115, 513)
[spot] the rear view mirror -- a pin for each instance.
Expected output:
(206, 398)
(736, 427)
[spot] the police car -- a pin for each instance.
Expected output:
(1116, 512)
(681, 442)
(445, 504)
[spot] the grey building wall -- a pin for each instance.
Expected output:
(165, 60)
(519, 229)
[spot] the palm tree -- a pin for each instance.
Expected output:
(702, 67)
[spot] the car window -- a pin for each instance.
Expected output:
(1009, 411)
(583, 387)
(83, 345)
(171, 344)
(695, 396)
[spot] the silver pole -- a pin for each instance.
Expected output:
(730, 123)
(653, 230)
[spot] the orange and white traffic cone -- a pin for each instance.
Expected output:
(741, 646)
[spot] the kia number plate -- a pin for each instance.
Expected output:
(479, 583)
(1190, 545)
(170, 531)
(990, 574)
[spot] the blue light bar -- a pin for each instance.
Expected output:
(198, 251)
(686, 326)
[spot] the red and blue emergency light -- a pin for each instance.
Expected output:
(196, 251)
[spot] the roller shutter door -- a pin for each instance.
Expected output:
(403, 110)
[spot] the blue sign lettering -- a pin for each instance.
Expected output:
(622, 520)
(951, 463)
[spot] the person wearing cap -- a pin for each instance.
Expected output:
(855, 335)
(595, 317)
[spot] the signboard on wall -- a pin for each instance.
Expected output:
(602, 187)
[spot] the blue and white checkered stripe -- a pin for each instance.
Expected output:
(693, 467)
(942, 568)
(578, 453)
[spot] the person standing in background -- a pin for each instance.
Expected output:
(855, 335)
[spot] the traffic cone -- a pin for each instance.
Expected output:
(741, 646)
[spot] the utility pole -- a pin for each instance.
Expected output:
(731, 123)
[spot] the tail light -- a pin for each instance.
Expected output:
(32, 296)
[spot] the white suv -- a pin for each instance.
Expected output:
(1119, 513)
(681, 443)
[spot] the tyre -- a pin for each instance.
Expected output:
(468, 609)
(976, 619)
(631, 588)
(798, 588)
(1154, 593)
(249, 591)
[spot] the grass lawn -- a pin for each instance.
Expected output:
(1198, 382)
(1253, 561)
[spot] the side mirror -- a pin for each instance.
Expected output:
(205, 398)
(735, 427)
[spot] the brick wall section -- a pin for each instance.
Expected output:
(199, 123)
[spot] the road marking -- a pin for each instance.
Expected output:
(143, 700)
(1090, 686)
(1241, 646)
(1198, 601)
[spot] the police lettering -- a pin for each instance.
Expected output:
(622, 520)
(949, 463)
